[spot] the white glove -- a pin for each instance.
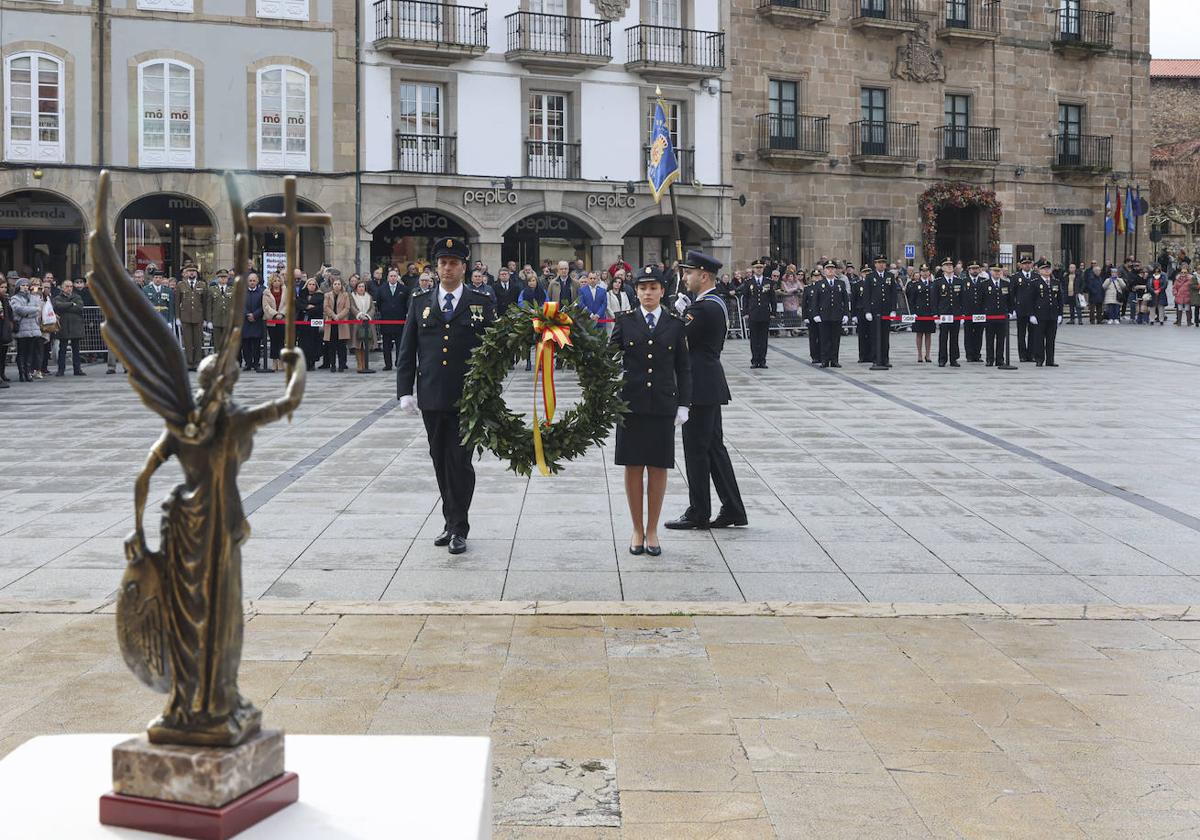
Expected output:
(409, 404)
(816, 319)
(893, 315)
(1060, 319)
(1012, 315)
(681, 304)
(870, 317)
(855, 319)
(208, 325)
(1033, 319)
(681, 415)
(845, 319)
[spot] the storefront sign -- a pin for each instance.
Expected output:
(274, 262)
(1006, 254)
(612, 201)
(422, 223)
(1069, 211)
(489, 197)
(23, 214)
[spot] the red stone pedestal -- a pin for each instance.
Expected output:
(198, 823)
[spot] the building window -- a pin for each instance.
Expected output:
(785, 239)
(165, 5)
(1070, 239)
(33, 103)
(550, 154)
(1068, 20)
(873, 135)
(874, 239)
(673, 109)
(958, 119)
(783, 103)
(287, 9)
(283, 118)
(166, 103)
(420, 144)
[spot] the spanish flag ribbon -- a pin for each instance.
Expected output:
(553, 329)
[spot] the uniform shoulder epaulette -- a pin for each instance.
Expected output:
(626, 312)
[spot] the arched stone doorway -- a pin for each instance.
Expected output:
(41, 231)
(166, 230)
(267, 249)
(546, 237)
(652, 240)
(960, 221)
(406, 237)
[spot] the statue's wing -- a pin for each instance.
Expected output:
(241, 263)
(133, 330)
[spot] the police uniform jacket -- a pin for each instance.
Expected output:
(1022, 293)
(435, 348)
(808, 300)
(880, 294)
(921, 297)
(972, 295)
(392, 307)
(706, 324)
(857, 296)
(1046, 300)
(219, 300)
(192, 302)
(758, 299)
(833, 303)
(996, 297)
(657, 365)
(162, 299)
(947, 295)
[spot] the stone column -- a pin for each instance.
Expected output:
(605, 253)
(489, 254)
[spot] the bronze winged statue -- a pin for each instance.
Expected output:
(179, 609)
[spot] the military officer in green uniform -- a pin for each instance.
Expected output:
(192, 303)
(160, 296)
(220, 298)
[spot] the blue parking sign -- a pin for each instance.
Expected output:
(910, 252)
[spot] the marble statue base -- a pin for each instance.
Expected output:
(209, 777)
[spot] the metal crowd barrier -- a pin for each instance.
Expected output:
(92, 344)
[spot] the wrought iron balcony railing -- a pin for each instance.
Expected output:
(549, 159)
(875, 139)
(792, 133)
(426, 153)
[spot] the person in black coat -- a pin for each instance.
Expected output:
(758, 305)
(866, 343)
(391, 304)
(706, 320)
(506, 290)
(1021, 288)
(832, 308)
(808, 305)
(947, 303)
(657, 386)
(920, 295)
(997, 298)
(253, 328)
(310, 306)
(1045, 315)
(444, 326)
(972, 304)
(881, 291)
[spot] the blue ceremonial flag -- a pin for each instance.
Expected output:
(1108, 211)
(663, 167)
(1130, 218)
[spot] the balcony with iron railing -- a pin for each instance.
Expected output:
(1082, 153)
(883, 143)
(558, 43)
(793, 13)
(431, 33)
(671, 53)
(967, 147)
(885, 16)
(1082, 32)
(792, 137)
(970, 20)
(429, 154)
(551, 159)
(687, 163)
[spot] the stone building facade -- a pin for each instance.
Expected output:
(1174, 103)
(846, 112)
(170, 94)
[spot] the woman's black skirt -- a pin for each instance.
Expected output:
(646, 440)
(920, 327)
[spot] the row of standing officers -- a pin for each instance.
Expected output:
(829, 305)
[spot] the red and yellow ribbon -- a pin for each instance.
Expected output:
(553, 329)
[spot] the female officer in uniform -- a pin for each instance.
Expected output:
(657, 386)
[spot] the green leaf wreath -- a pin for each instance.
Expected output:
(486, 422)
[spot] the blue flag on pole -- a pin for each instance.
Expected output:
(1108, 211)
(1130, 216)
(663, 167)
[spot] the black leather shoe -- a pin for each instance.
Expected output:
(443, 539)
(955, 364)
(685, 524)
(637, 550)
(824, 364)
(654, 550)
(458, 544)
(835, 364)
(1051, 364)
(723, 521)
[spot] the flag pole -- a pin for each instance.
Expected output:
(675, 218)
(1104, 258)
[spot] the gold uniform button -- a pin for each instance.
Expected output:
(445, 349)
(648, 384)
(651, 341)
(649, 355)
(444, 362)
(649, 370)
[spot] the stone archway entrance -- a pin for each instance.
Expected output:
(960, 221)
(962, 233)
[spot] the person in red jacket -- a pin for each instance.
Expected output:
(620, 264)
(1156, 287)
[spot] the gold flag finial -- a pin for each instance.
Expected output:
(657, 90)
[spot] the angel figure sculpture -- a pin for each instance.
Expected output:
(179, 609)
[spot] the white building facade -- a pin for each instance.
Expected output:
(523, 126)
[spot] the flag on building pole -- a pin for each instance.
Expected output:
(663, 166)
(1130, 211)
(1120, 219)
(1108, 211)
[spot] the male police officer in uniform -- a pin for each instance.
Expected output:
(866, 341)
(880, 293)
(704, 449)
(808, 303)
(947, 301)
(972, 304)
(1046, 305)
(444, 326)
(758, 303)
(1021, 289)
(833, 307)
(995, 296)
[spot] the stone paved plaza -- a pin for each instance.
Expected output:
(1075, 486)
(735, 728)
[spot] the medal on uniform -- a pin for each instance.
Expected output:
(476, 313)
(425, 314)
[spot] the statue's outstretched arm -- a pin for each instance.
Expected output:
(158, 456)
(271, 411)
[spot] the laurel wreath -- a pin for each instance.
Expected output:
(486, 421)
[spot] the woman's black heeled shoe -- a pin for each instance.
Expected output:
(637, 549)
(654, 550)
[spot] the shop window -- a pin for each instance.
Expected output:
(283, 118)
